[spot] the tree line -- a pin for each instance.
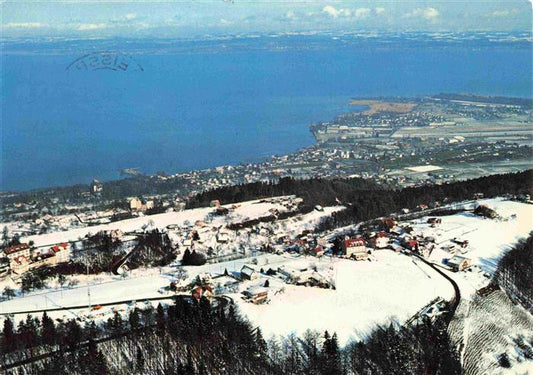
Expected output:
(515, 273)
(190, 337)
(366, 199)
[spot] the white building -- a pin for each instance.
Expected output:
(62, 252)
(356, 247)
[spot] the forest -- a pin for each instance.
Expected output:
(515, 273)
(190, 337)
(366, 199)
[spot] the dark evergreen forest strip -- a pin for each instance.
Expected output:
(515, 273)
(366, 199)
(198, 338)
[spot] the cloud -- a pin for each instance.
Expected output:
(24, 25)
(362, 12)
(130, 16)
(91, 26)
(504, 13)
(331, 11)
(224, 21)
(290, 15)
(335, 13)
(430, 14)
(379, 10)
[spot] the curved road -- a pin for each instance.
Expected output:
(457, 298)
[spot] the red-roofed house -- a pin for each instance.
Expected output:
(355, 247)
(412, 245)
(198, 292)
(382, 240)
(390, 223)
(317, 251)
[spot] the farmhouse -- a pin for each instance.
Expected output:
(434, 221)
(137, 204)
(389, 222)
(202, 291)
(460, 242)
(382, 240)
(317, 251)
(355, 247)
(248, 273)
(459, 263)
(257, 295)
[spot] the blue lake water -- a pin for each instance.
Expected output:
(203, 107)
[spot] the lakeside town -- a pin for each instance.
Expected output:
(420, 141)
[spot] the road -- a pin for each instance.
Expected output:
(457, 297)
(113, 303)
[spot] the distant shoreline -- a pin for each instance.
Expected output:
(397, 105)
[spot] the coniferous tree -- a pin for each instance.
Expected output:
(160, 318)
(134, 319)
(48, 330)
(8, 336)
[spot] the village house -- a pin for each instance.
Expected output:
(221, 211)
(202, 291)
(257, 294)
(449, 248)
(187, 244)
(114, 233)
(425, 250)
(434, 221)
(137, 204)
(389, 223)
(248, 273)
(355, 247)
(317, 251)
(381, 240)
(460, 242)
(96, 186)
(412, 245)
(459, 263)
(222, 237)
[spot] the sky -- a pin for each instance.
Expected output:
(95, 18)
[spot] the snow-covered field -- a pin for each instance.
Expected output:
(488, 239)
(367, 293)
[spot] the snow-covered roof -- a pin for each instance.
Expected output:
(248, 271)
(254, 290)
(457, 260)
